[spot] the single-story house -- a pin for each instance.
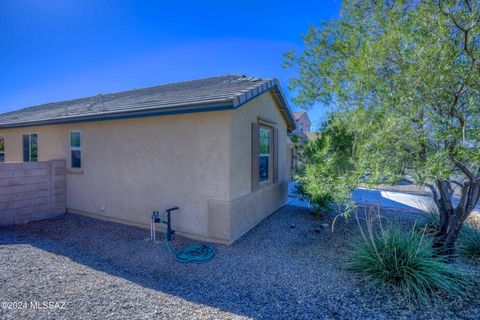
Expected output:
(214, 147)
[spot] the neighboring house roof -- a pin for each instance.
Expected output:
(208, 94)
(301, 114)
(298, 115)
(312, 135)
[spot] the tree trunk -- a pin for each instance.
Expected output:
(451, 218)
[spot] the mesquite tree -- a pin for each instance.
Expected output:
(404, 77)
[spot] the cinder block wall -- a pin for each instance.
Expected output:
(32, 191)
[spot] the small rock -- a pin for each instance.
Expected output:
(325, 225)
(21, 222)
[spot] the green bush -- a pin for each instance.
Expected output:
(320, 201)
(470, 241)
(405, 261)
(325, 176)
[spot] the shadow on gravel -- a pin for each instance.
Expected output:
(287, 266)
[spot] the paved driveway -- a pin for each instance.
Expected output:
(397, 200)
(386, 199)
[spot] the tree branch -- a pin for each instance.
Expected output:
(474, 195)
(457, 183)
(445, 194)
(435, 195)
(467, 2)
(465, 170)
(462, 204)
(449, 15)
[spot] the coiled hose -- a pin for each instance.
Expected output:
(196, 253)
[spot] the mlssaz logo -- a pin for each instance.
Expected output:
(50, 305)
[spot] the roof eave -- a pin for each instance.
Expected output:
(190, 107)
(268, 85)
(286, 110)
(125, 114)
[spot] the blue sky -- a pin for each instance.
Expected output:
(55, 50)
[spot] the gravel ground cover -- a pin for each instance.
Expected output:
(288, 267)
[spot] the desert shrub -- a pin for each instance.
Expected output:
(320, 201)
(430, 223)
(325, 176)
(405, 260)
(470, 241)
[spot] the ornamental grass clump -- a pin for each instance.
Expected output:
(405, 260)
(470, 241)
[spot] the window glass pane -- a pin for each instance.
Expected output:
(2, 157)
(264, 141)
(26, 147)
(264, 161)
(75, 139)
(76, 158)
(263, 172)
(2, 144)
(33, 147)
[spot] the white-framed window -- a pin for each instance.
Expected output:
(30, 147)
(265, 152)
(2, 149)
(75, 150)
(301, 128)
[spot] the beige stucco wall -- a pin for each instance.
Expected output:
(263, 107)
(232, 218)
(133, 166)
(290, 158)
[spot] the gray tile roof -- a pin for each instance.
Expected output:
(216, 93)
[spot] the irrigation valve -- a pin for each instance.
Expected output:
(157, 218)
(195, 253)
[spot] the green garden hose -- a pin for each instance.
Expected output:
(196, 253)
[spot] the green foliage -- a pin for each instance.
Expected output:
(403, 79)
(294, 138)
(325, 177)
(404, 260)
(299, 143)
(430, 224)
(470, 242)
